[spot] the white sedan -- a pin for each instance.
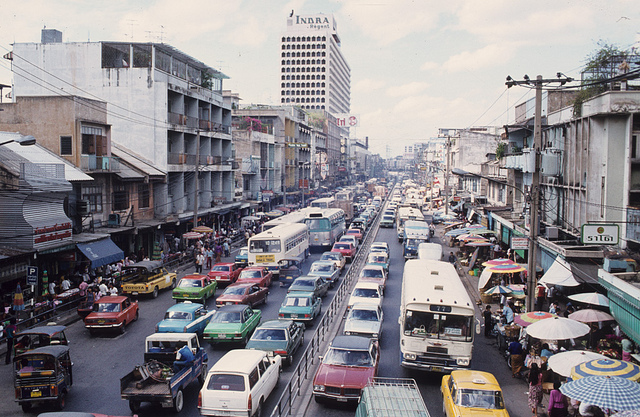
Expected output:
(364, 319)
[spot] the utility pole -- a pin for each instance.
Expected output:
(446, 178)
(535, 178)
(195, 195)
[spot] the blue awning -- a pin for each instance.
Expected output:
(101, 252)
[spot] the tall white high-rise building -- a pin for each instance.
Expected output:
(314, 73)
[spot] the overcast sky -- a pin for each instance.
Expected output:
(416, 66)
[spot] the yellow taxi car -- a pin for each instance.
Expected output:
(466, 393)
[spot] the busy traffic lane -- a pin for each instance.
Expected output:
(100, 361)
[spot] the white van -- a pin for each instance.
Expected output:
(239, 383)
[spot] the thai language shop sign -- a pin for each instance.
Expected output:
(600, 234)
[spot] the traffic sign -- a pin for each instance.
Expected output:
(32, 275)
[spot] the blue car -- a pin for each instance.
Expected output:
(186, 317)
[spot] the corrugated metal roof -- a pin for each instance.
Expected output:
(36, 154)
(136, 160)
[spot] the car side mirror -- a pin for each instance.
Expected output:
(478, 326)
(321, 357)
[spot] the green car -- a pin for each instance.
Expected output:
(282, 337)
(195, 288)
(233, 323)
(300, 306)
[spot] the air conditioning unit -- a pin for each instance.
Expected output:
(114, 220)
(82, 207)
(551, 232)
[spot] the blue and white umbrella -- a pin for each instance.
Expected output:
(606, 392)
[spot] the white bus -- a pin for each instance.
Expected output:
(324, 203)
(432, 251)
(325, 227)
(296, 216)
(404, 214)
(436, 317)
(280, 242)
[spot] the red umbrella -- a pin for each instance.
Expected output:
(498, 261)
(526, 319)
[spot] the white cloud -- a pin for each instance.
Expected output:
(429, 65)
(367, 85)
(489, 56)
(408, 89)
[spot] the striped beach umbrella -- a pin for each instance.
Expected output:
(506, 268)
(606, 367)
(526, 319)
(498, 289)
(18, 299)
(562, 363)
(610, 392)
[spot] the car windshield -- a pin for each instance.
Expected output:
(388, 218)
(353, 232)
(190, 283)
(366, 293)
(306, 283)
(177, 315)
(479, 399)
(227, 317)
(250, 274)
(414, 242)
(226, 382)
(366, 315)
(321, 268)
(378, 259)
(330, 257)
(371, 273)
(297, 301)
(107, 307)
(438, 325)
(342, 246)
(317, 224)
(234, 291)
(347, 357)
(243, 252)
(224, 268)
(269, 334)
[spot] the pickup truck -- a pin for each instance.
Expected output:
(147, 277)
(162, 379)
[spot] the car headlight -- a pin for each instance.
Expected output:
(462, 361)
(375, 335)
(347, 333)
(410, 356)
(157, 329)
(318, 388)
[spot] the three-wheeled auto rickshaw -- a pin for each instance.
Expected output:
(39, 336)
(289, 269)
(42, 375)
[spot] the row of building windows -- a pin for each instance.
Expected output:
(303, 92)
(120, 198)
(304, 38)
(298, 85)
(303, 46)
(301, 77)
(302, 54)
(304, 69)
(303, 100)
(308, 62)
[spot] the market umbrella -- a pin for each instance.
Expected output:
(476, 244)
(192, 235)
(593, 298)
(250, 218)
(202, 229)
(557, 328)
(498, 289)
(506, 268)
(531, 317)
(589, 315)
(499, 261)
(627, 413)
(610, 392)
(562, 363)
(457, 232)
(275, 213)
(606, 367)
(18, 299)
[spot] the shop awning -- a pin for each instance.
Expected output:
(559, 273)
(101, 252)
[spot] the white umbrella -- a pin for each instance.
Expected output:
(562, 363)
(557, 328)
(593, 298)
(588, 315)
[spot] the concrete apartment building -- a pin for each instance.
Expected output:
(161, 103)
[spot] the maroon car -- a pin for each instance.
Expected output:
(249, 294)
(346, 249)
(346, 368)
(225, 273)
(256, 275)
(111, 312)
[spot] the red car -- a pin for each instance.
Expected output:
(346, 368)
(249, 294)
(225, 273)
(111, 312)
(256, 275)
(355, 232)
(346, 249)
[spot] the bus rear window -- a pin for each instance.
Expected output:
(265, 246)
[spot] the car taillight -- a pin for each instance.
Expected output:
(249, 405)
(306, 316)
(200, 399)
(54, 390)
(280, 352)
(280, 314)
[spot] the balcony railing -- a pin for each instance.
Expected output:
(100, 163)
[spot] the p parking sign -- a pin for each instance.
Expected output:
(32, 275)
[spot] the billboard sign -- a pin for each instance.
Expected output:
(348, 120)
(600, 234)
(519, 243)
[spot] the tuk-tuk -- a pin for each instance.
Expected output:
(39, 337)
(42, 375)
(289, 269)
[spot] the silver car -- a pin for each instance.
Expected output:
(326, 270)
(364, 320)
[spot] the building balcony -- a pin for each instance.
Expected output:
(177, 119)
(181, 158)
(94, 163)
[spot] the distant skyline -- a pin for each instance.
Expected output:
(416, 66)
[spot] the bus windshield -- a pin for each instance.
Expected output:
(265, 246)
(438, 325)
(317, 224)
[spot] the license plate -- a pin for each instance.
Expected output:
(294, 316)
(222, 336)
(436, 368)
(185, 295)
(228, 303)
(36, 393)
(101, 322)
(134, 293)
(342, 400)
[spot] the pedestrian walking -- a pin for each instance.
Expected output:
(218, 252)
(208, 253)
(488, 321)
(535, 389)
(199, 262)
(225, 247)
(10, 331)
(452, 258)
(557, 402)
(540, 294)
